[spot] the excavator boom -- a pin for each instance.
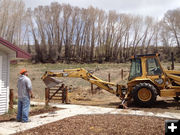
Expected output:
(50, 81)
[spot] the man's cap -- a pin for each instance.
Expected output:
(23, 71)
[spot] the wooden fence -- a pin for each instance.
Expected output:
(57, 93)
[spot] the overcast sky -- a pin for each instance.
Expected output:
(155, 8)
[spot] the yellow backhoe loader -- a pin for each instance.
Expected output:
(147, 80)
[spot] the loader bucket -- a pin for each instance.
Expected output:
(51, 82)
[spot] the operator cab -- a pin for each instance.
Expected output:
(151, 65)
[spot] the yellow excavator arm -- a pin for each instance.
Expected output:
(50, 81)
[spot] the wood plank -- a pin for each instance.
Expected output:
(53, 94)
(50, 94)
(56, 99)
(57, 96)
(55, 91)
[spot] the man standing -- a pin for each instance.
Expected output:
(24, 94)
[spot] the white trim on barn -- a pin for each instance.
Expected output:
(4, 71)
(8, 74)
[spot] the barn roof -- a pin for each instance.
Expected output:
(19, 52)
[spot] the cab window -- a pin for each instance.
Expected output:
(153, 67)
(135, 69)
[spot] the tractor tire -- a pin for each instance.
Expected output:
(144, 94)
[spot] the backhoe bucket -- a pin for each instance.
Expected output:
(51, 82)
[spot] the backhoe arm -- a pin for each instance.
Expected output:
(77, 73)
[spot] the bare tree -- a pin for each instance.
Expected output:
(171, 20)
(11, 24)
(137, 36)
(64, 32)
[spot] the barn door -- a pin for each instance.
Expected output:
(0, 74)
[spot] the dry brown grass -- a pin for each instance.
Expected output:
(37, 70)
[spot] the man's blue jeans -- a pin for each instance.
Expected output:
(23, 109)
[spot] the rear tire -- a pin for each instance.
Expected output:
(144, 94)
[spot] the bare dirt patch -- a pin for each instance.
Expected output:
(84, 96)
(106, 124)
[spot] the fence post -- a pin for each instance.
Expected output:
(66, 95)
(109, 77)
(172, 60)
(92, 91)
(11, 97)
(121, 74)
(63, 94)
(46, 96)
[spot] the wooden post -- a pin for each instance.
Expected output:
(63, 94)
(92, 91)
(66, 95)
(46, 96)
(172, 59)
(121, 74)
(109, 77)
(11, 97)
